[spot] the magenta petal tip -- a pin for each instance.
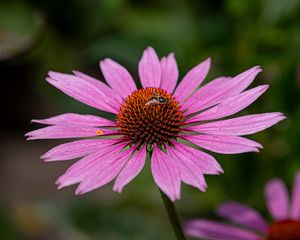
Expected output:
(220, 171)
(80, 191)
(256, 69)
(117, 189)
(29, 136)
(53, 74)
(208, 60)
(59, 185)
(50, 80)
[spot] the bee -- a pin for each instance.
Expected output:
(157, 100)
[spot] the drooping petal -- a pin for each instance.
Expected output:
(65, 131)
(94, 81)
(277, 199)
(165, 173)
(207, 163)
(231, 105)
(84, 91)
(149, 69)
(241, 125)
(88, 165)
(192, 80)
(169, 73)
(218, 90)
(117, 77)
(295, 204)
(224, 144)
(213, 230)
(243, 215)
(190, 173)
(78, 170)
(132, 168)
(103, 173)
(76, 149)
(76, 119)
(97, 83)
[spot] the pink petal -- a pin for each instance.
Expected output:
(94, 81)
(244, 79)
(224, 144)
(192, 80)
(110, 94)
(190, 173)
(87, 165)
(205, 162)
(132, 168)
(76, 119)
(218, 231)
(231, 105)
(169, 73)
(65, 131)
(295, 205)
(149, 69)
(243, 215)
(277, 199)
(165, 173)
(84, 91)
(241, 125)
(103, 173)
(117, 77)
(208, 95)
(78, 170)
(218, 90)
(76, 149)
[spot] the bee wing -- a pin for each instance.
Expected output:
(152, 102)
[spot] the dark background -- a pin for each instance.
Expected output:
(37, 36)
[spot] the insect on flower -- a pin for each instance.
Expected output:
(159, 119)
(157, 99)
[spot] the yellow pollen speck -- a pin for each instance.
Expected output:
(99, 132)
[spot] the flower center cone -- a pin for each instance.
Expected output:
(284, 230)
(149, 116)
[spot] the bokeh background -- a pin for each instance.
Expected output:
(41, 35)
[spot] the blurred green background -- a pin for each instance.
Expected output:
(41, 35)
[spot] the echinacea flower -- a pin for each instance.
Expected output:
(170, 124)
(248, 224)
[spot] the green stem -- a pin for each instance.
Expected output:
(173, 217)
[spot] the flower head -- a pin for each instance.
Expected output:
(248, 224)
(169, 124)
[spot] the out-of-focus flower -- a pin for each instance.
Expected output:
(248, 224)
(170, 124)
